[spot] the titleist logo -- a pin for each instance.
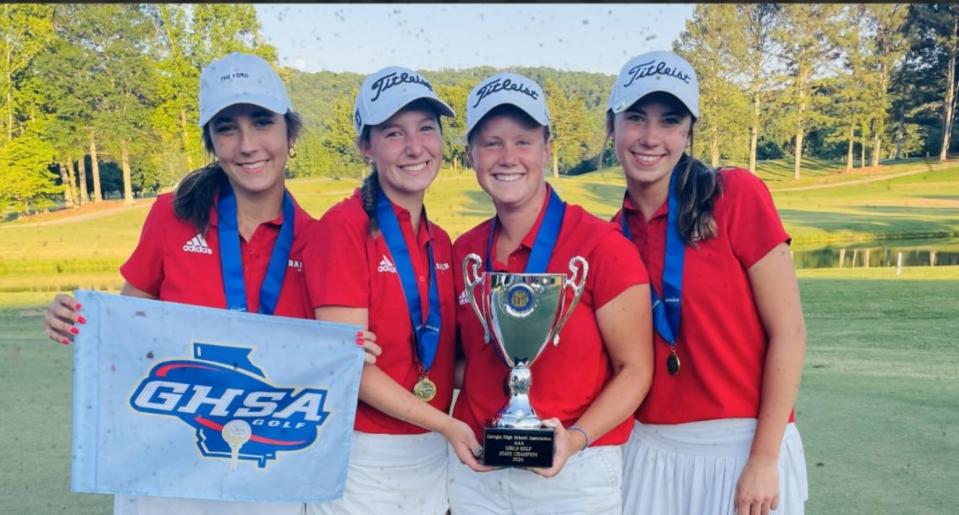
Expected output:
(388, 81)
(503, 85)
(655, 68)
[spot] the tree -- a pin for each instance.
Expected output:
(927, 80)
(887, 46)
(805, 35)
(570, 127)
(752, 57)
(26, 30)
(454, 129)
(339, 156)
(27, 181)
(705, 43)
(122, 46)
(849, 89)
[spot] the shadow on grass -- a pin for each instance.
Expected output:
(877, 226)
(920, 212)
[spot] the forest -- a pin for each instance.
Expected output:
(99, 101)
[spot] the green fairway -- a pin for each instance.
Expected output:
(876, 410)
(877, 407)
(66, 253)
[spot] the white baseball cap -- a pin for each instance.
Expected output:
(385, 92)
(506, 88)
(240, 79)
(652, 72)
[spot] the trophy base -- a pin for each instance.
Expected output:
(508, 447)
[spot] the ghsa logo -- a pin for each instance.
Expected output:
(237, 415)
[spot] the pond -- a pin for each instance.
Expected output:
(932, 252)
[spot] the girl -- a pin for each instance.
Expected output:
(220, 230)
(717, 426)
(376, 260)
(598, 374)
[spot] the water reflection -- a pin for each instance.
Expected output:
(858, 255)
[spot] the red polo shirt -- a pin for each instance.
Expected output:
(347, 267)
(568, 377)
(174, 262)
(721, 344)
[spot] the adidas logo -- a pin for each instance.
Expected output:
(463, 298)
(386, 266)
(198, 245)
(442, 266)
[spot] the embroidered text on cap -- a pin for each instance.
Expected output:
(503, 85)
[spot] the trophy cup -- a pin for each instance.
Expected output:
(522, 313)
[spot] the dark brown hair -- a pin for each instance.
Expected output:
(699, 185)
(371, 183)
(194, 195)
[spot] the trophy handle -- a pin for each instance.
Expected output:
(577, 282)
(472, 263)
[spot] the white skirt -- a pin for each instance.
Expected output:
(590, 483)
(689, 468)
(392, 475)
(145, 505)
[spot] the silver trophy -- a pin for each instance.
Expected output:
(522, 313)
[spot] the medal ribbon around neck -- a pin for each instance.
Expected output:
(545, 240)
(426, 332)
(231, 261)
(666, 309)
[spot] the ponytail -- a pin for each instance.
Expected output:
(194, 195)
(699, 186)
(368, 193)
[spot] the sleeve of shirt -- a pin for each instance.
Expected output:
(335, 263)
(614, 266)
(753, 224)
(144, 268)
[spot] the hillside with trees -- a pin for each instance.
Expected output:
(100, 100)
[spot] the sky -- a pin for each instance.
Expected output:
(364, 38)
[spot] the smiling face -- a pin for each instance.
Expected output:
(251, 145)
(406, 150)
(650, 137)
(508, 151)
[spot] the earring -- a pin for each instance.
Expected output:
(292, 151)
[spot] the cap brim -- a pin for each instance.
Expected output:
(538, 118)
(442, 107)
(624, 104)
(263, 101)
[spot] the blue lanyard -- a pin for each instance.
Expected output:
(231, 261)
(545, 240)
(666, 314)
(427, 333)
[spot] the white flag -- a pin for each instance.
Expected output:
(184, 401)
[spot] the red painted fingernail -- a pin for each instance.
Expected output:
(64, 342)
(74, 330)
(77, 306)
(81, 320)
(359, 334)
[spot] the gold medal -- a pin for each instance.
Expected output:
(424, 389)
